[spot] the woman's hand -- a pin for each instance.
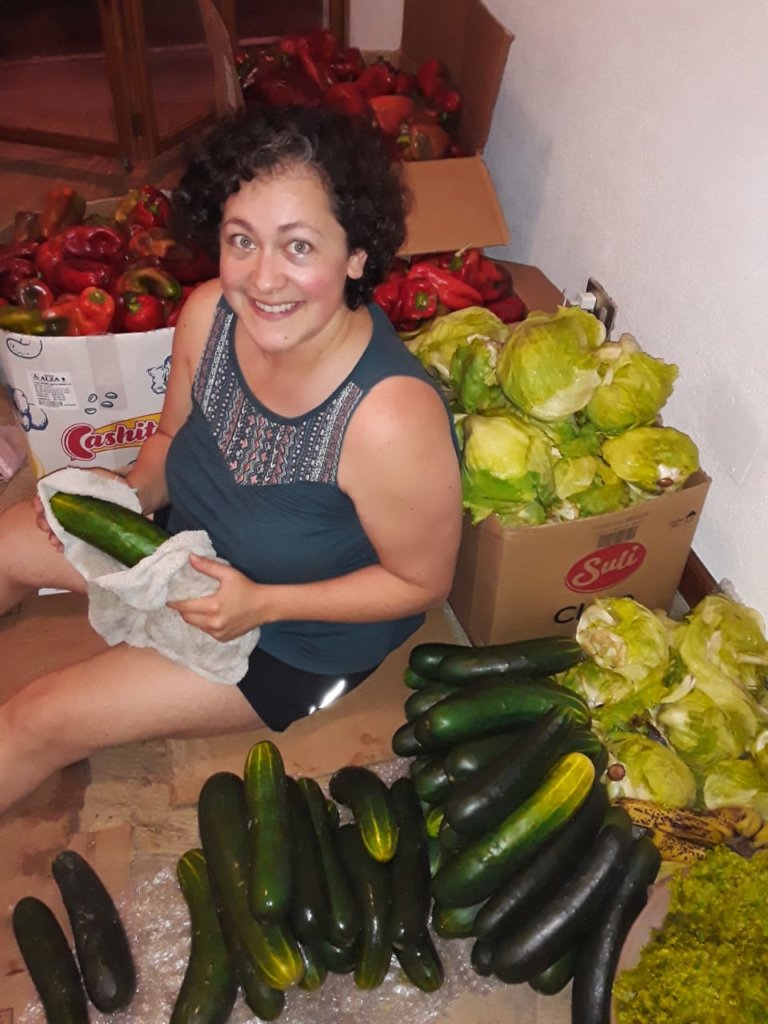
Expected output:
(227, 613)
(43, 524)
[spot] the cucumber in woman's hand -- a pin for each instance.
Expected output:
(117, 531)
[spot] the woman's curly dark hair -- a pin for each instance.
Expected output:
(364, 184)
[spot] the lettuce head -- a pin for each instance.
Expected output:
(622, 635)
(435, 347)
(587, 486)
(702, 732)
(473, 375)
(633, 389)
(737, 783)
(507, 468)
(648, 770)
(723, 635)
(653, 459)
(548, 367)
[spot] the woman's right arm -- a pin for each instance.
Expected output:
(147, 475)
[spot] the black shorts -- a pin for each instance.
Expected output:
(280, 693)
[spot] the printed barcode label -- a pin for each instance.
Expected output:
(618, 537)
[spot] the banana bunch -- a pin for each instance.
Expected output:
(684, 836)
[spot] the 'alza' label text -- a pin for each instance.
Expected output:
(83, 442)
(605, 567)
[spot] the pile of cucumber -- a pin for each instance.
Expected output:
(526, 854)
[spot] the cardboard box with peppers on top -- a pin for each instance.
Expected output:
(89, 295)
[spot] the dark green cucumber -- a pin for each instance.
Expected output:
(267, 1003)
(271, 864)
(223, 824)
(478, 869)
(425, 659)
(421, 963)
(481, 957)
(409, 868)
(50, 962)
(448, 837)
(543, 656)
(437, 854)
(493, 706)
(554, 978)
(368, 798)
(125, 535)
(421, 700)
(404, 742)
(338, 959)
(546, 936)
(454, 922)
(309, 905)
(371, 884)
(482, 801)
(343, 922)
(414, 681)
(431, 780)
(532, 884)
(468, 757)
(101, 945)
(315, 968)
(599, 955)
(433, 819)
(209, 986)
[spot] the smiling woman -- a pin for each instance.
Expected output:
(297, 430)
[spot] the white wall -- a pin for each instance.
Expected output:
(630, 143)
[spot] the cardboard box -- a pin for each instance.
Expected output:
(515, 583)
(86, 401)
(454, 202)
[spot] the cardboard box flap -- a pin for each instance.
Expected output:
(454, 205)
(472, 44)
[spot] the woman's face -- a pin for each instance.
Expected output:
(284, 260)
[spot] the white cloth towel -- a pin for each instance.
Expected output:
(129, 605)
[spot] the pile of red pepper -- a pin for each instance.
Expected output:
(430, 286)
(67, 273)
(417, 112)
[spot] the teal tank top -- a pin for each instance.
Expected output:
(265, 488)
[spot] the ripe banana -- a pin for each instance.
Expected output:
(673, 848)
(702, 827)
(745, 821)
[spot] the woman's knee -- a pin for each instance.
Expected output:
(35, 726)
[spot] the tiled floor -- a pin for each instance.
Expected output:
(132, 810)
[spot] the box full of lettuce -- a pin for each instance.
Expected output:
(555, 422)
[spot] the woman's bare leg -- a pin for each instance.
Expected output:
(118, 696)
(28, 560)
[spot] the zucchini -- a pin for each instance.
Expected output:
(370, 881)
(598, 956)
(528, 887)
(338, 959)
(368, 797)
(421, 963)
(482, 801)
(125, 535)
(101, 945)
(480, 958)
(315, 968)
(454, 922)
(547, 935)
(266, 800)
(309, 907)
(448, 837)
(50, 962)
(209, 986)
(409, 869)
(433, 821)
(414, 681)
(222, 819)
(267, 1003)
(343, 922)
(543, 656)
(425, 659)
(493, 706)
(469, 756)
(404, 742)
(554, 978)
(437, 855)
(431, 780)
(474, 872)
(421, 700)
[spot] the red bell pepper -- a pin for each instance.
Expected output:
(73, 275)
(451, 290)
(378, 79)
(392, 111)
(151, 242)
(420, 141)
(405, 84)
(347, 64)
(347, 97)
(389, 295)
(510, 310)
(152, 208)
(26, 227)
(93, 242)
(149, 280)
(32, 293)
(62, 313)
(47, 257)
(94, 311)
(315, 67)
(12, 270)
(190, 264)
(428, 75)
(323, 44)
(62, 207)
(419, 300)
(140, 313)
